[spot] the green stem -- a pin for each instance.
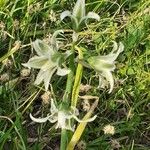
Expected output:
(77, 81)
(70, 77)
(66, 97)
(64, 140)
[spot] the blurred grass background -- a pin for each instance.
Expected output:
(127, 107)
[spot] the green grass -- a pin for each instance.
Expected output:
(127, 107)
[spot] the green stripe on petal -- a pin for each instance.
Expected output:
(79, 9)
(39, 77)
(109, 78)
(35, 62)
(62, 71)
(47, 77)
(42, 48)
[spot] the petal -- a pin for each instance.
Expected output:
(42, 48)
(75, 23)
(36, 62)
(91, 15)
(99, 64)
(39, 120)
(62, 71)
(49, 65)
(65, 14)
(112, 56)
(39, 78)
(61, 120)
(87, 120)
(54, 41)
(109, 78)
(53, 108)
(100, 81)
(47, 77)
(53, 119)
(79, 9)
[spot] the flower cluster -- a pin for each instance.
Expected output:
(48, 60)
(104, 65)
(61, 116)
(78, 16)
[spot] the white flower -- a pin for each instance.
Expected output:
(62, 117)
(48, 60)
(104, 65)
(78, 15)
(109, 129)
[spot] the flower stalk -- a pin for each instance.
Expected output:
(66, 97)
(76, 86)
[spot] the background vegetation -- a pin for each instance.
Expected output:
(127, 107)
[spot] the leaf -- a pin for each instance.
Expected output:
(78, 132)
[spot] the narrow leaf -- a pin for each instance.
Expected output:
(78, 132)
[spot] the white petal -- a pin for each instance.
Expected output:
(49, 65)
(100, 64)
(79, 9)
(35, 62)
(39, 77)
(75, 23)
(47, 77)
(61, 120)
(53, 108)
(53, 119)
(42, 48)
(39, 120)
(115, 46)
(65, 14)
(62, 71)
(87, 120)
(109, 78)
(112, 56)
(92, 15)
(100, 81)
(54, 41)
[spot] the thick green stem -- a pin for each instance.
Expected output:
(66, 97)
(64, 139)
(69, 84)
